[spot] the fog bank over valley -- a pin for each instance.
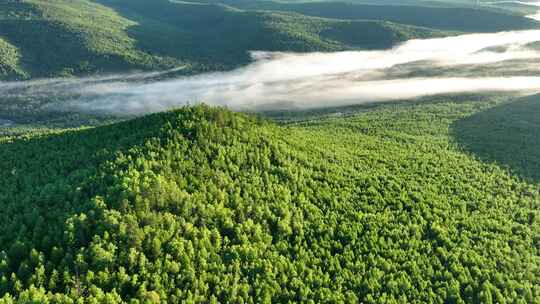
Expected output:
(498, 62)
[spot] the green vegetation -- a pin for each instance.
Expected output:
(198, 205)
(507, 134)
(60, 38)
(73, 37)
(210, 33)
(9, 59)
(465, 19)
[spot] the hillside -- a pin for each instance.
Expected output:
(45, 38)
(387, 204)
(465, 19)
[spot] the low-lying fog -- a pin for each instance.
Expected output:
(503, 62)
(5, 123)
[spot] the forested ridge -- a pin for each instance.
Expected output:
(464, 16)
(203, 205)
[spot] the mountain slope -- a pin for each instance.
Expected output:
(203, 205)
(466, 19)
(66, 37)
(59, 37)
(218, 33)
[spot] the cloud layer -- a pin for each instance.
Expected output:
(281, 81)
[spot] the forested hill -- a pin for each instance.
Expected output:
(43, 38)
(467, 18)
(202, 205)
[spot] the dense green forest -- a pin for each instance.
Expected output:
(43, 38)
(394, 203)
(432, 200)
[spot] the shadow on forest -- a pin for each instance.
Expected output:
(507, 134)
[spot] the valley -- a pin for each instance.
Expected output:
(231, 151)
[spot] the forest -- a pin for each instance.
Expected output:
(391, 203)
(397, 172)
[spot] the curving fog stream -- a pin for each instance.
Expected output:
(495, 62)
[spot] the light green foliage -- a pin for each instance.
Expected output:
(203, 205)
(60, 38)
(9, 59)
(104, 32)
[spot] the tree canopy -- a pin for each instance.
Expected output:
(204, 205)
